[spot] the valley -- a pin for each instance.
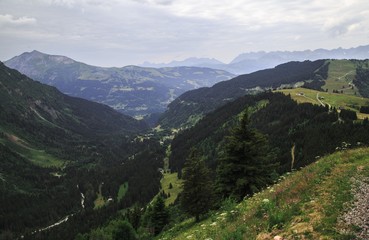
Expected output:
(128, 174)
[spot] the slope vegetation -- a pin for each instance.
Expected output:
(321, 201)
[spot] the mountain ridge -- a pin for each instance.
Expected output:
(131, 90)
(253, 61)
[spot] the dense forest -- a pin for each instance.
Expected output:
(312, 130)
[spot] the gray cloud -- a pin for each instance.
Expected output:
(121, 32)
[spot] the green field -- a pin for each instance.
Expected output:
(305, 204)
(123, 188)
(337, 100)
(171, 178)
(340, 76)
(37, 157)
(100, 201)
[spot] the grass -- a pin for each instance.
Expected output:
(304, 204)
(167, 180)
(100, 201)
(340, 74)
(37, 157)
(337, 100)
(123, 188)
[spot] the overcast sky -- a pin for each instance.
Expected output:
(123, 32)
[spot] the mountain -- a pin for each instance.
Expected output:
(59, 154)
(131, 90)
(192, 105)
(361, 52)
(26, 102)
(254, 61)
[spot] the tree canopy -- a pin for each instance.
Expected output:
(248, 162)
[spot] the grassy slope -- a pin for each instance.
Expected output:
(333, 99)
(304, 205)
(123, 188)
(171, 178)
(340, 74)
(36, 156)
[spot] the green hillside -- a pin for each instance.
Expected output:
(341, 74)
(337, 100)
(315, 202)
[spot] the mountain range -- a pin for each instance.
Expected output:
(132, 90)
(254, 61)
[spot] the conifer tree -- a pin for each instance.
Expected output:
(248, 163)
(160, 215)
(198, 194)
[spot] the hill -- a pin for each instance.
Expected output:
(132, 90)
(322, 201)
(332, 100)
(192, 105)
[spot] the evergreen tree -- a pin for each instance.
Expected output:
(248, 163)
(160, 215)
(197, 195)
(124, 231)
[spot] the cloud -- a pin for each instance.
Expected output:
(8, 19)
(134, 31)
(337, 29)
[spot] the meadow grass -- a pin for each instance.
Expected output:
(37, 157)
(304, 204)
(123, 188)
(337, 100)
(340, 74)
(171, 179)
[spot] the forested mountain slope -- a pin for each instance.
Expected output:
(310, 130)
(60, 154)
(194, 104)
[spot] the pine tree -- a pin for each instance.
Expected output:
(160, 215)
(197, 195)
(248, 163)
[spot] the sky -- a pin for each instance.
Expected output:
(129, 32)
